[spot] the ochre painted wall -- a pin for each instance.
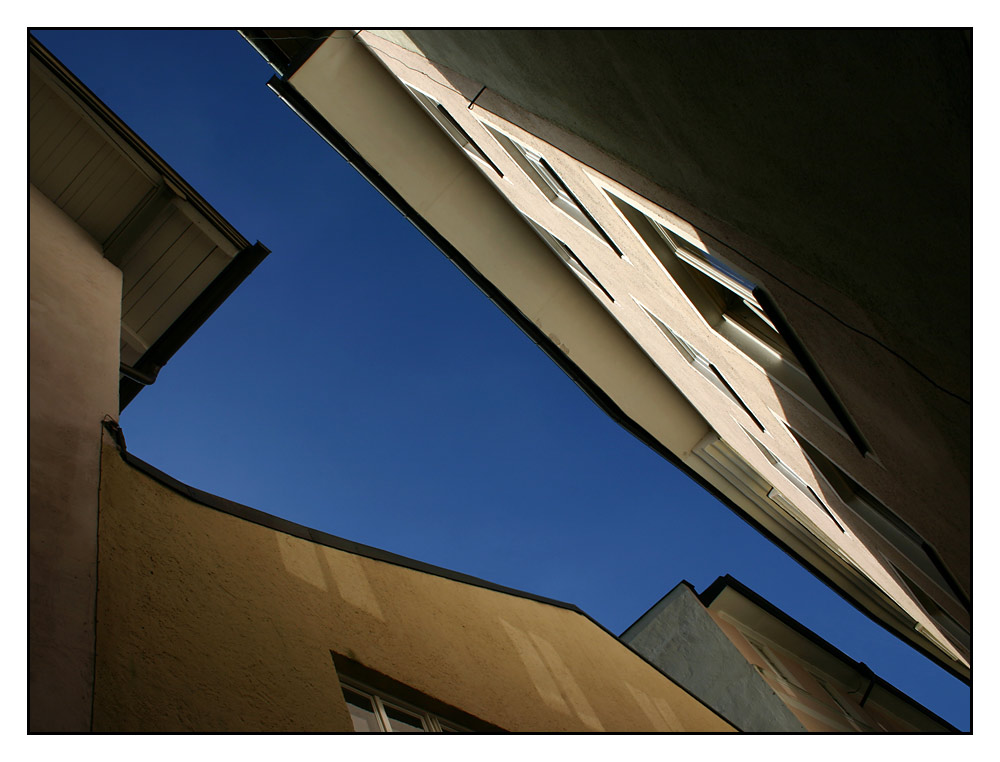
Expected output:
(75, 298)
(207, 621)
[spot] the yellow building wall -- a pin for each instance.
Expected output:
(207, 621)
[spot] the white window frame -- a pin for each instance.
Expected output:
(432, 723)
(569, 258)
(726, 276)
(440, 114)
(716, 269)
(785, 470)
(678, 256)
(700, 363)
(549, 184)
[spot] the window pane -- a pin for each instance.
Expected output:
(403, 722)
(362, 712)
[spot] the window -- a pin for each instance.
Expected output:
(452, 127)
(541, 173)
(731, 293)
(793, 477)
(744, 314)
(724, 297)
(372, 713)
(378, 703)
(702, 365)
(882, 519)
(565, 253)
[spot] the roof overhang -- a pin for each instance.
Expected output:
(180, 259)
(729, 597)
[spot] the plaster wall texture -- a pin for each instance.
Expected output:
(807, 699)
(912, 478)
(207, 621)
(74, 319)
(680, 636)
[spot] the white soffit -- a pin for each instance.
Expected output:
(169, 244)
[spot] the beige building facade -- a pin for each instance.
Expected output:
(215, 617)
(766, 671)
(757, 378)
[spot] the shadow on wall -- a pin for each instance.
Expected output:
(554, 682)
(895, 557)
(315, 564)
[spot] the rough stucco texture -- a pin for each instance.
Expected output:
(210, 622)
(75, 298)
(681, 638)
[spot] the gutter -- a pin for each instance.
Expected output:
(145, 370)
(710, 593)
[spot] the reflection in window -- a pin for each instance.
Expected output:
(362, 709)
(731, 293)
(403, 722)
(373, 713)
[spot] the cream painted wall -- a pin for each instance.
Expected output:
(369, 107)
(74, 317)
(207, 621)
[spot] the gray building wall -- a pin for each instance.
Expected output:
(680, 637)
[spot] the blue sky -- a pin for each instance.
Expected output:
(358, 383)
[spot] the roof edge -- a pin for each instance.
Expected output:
(186, 325)
(710, 593)
(269, 521)
(109, 117)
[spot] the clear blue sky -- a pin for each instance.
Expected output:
(358, 383)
